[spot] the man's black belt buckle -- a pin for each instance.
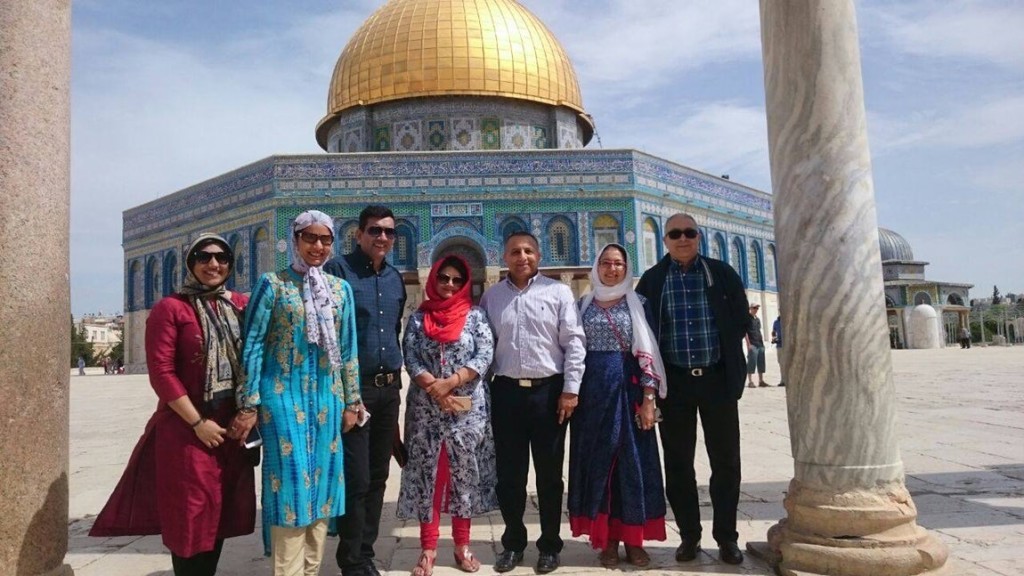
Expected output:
(696, 372)
(529, 382)
(383, 379)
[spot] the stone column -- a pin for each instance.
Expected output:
(35, 310)
(848, 510)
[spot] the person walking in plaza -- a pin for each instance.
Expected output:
(965, 337)
(448, 348)
(615, 488)
(81, 366)
(379, 302)
(189, 478)
(777, 340)
(755, 349)
(302, 372)
(538, 366)
(699, 310)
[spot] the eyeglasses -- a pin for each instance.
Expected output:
(453, 280)
(375, 231)
(310, 238)
(676, 233)
(204, 257)
(611, 264)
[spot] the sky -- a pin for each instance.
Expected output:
(168, 94)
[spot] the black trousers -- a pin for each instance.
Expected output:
(719, 416)
(202, 564)
(367, 464)
(525, 422)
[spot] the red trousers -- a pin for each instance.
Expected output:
(430, 531)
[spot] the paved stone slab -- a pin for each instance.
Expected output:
(961, 435)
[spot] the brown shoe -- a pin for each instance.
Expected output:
(609, 557)
(465, 559)
(637, 556)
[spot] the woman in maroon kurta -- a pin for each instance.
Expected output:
(190, 478)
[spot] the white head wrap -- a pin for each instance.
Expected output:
(645, 344)
(317, 299)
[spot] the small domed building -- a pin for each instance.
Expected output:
(906, 288)
(466, 118)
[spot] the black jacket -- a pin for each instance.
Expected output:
(728, 302)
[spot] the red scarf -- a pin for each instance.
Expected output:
(443, 319)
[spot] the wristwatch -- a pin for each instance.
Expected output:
(649, 396)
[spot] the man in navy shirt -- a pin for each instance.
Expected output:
(380, 300)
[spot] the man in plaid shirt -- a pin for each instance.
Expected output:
(699, 311)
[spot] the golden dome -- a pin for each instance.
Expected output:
(415, 48)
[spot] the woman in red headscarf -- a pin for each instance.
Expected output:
(448, 347)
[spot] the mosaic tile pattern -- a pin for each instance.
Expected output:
(382, 139)
(408, 136)
(516, 136)
(437, 135)
(490, 134)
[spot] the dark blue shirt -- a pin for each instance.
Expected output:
(380, 301)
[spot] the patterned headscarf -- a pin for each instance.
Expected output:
(317, 299)
(219, 321)
(645, 345)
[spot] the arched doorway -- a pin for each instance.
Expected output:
(472, 253)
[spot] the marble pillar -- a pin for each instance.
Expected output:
(848, 510)
(35, 309)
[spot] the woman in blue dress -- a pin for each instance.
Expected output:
(448, 348)
(615, 487)
(302, 372)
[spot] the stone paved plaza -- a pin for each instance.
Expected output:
(961, 422)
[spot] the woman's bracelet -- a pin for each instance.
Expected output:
(459, 376)
(197, 423)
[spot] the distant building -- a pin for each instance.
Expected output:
(906, 288)
(103, 331)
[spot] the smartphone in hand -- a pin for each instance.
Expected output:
(254, 439)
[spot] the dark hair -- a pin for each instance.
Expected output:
(374, 211)
(620, 249)
(456, 263)
(526, 233)
(190, 258)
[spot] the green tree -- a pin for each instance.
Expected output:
(80, 347)
(996, 298)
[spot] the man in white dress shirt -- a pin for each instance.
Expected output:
(538, 366)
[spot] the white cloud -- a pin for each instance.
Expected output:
(977, 124)
(982, 30)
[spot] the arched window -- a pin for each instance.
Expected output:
(170, 274)
(922, 298)
(650, 242)
(510, 226)
(754, 265)
(718, 247)
(235, 279)
(134, 278)
(606, 231)
(262, 258)
(405, 246)
(153, 288)
(889, 302)
(955, 299)
(348, 242)
(736, 258)
(769, 266)
(703, 246)
(560, 244)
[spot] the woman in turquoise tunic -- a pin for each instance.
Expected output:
(302, 371)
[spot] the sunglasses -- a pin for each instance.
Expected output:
(310, 238)
(204, 257)
(676, 233)
(453, 280)
(375, 231)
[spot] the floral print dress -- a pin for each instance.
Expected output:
(466, 435)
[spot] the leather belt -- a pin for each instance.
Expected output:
(699, 371)
(531, 382)
(382, 379)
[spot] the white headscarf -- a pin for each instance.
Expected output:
(645, 345)
(317, 299)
